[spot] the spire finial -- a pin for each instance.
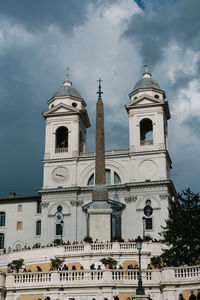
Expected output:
(99, 91)
(146, 66)
(68, 73)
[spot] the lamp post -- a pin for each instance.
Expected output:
(140, 289)
(143, 222)
(61, 231)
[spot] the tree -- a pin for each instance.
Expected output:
(181, 232)
(56, 263)
(111, 262)
(16, 264)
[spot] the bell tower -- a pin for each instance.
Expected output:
(148, 113)
(66, 124)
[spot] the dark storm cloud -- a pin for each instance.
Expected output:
(35, 15)
(21, 136)
(163, 22)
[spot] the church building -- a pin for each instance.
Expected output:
(137, 179)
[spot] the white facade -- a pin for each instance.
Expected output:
(136, 176)
(138, 179)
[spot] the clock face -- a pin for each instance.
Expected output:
(60, 174)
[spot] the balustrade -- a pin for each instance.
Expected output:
(187, 272)
(128, 246)
(107, 152)
(57, 278)
(32, 277)
(74, 248)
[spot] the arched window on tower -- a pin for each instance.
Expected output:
(2, 218)
(81, 142)
(146, 132)
(61, 139)
(111, 178)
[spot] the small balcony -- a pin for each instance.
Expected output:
(146, 142)
(61, 150)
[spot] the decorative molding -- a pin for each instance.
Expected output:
(45, 204)
(76, 203)
(130, 199)
(164, 196)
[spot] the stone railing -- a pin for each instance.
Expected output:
(75, 253)
(99, 247)
(107, 152)
(165, 276)
(187, 272)
(61, 150)
(65, 278)
(147, 142)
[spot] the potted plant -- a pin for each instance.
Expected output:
(117, 238)
(56, 263)
(56, 242)
(148, 238)
(109, 262)
(16, 264)
(87, 239)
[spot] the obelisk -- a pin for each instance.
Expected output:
(100, 210)
(100, 191)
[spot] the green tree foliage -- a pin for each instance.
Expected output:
(16, 264)
(56, 263)
(182, 230)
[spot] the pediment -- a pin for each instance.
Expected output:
(61, 109)
(144, 100)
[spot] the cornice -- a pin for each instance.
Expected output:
(125, 186)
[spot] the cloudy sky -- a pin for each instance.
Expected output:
(106, 38)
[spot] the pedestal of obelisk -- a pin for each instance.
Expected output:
(100, 224)
(140, 297)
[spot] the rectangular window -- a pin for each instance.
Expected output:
(149, 223)
(19, 225)
(59, 229)
(39, 208)
(38, 227)
(1, 241)
(2, 218)
(19, 207)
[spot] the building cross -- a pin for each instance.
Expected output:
(99, 91)
(146, 66)
(67, 73)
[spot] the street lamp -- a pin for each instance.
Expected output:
(140, 289)
(61, 231)
(143, 222)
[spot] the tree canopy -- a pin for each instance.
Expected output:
(182, 230)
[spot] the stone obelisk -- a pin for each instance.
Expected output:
(100, 210)
(100, 191)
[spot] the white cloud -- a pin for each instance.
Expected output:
(13, 35)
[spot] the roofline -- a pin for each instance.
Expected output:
(82, 113)
(34, 197)
(147, 89)
(141, 106)
(65, 97)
